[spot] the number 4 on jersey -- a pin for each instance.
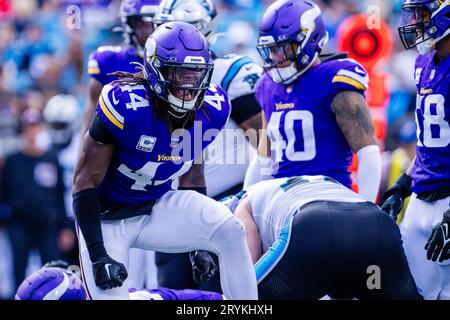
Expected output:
(215, 100)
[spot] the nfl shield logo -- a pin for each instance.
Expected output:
(146, 143)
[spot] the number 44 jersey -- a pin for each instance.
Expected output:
(432, 165)
(147, 156)
(304, 135)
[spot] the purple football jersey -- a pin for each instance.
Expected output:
(108, 59)
(305, 137)
(431, 170)
(147, 157)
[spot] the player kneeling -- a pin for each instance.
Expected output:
(123, 196)
(310, 236)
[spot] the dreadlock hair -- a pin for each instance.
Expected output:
(160, 106)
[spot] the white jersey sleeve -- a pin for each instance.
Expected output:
(236, 74)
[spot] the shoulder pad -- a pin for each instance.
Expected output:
(350, 73)
(236, 74)
(101, 56)
(110, 106)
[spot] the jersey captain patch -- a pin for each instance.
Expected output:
(146, 143)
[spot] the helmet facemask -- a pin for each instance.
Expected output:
(186, 85)
(280, 59)
(418, 26)
(181, 85)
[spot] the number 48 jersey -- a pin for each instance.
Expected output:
(432, 165)
(147, 156)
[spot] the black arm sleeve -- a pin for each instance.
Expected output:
(245, 107)
(100, 133)
(86, 208)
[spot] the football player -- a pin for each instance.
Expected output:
(59, 283)
(136, 18)
(61, 113)
(314, 111)
(426, 25)
(228, 157)
(310, 236)
(148, 130)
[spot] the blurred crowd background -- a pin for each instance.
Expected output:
(45, 44)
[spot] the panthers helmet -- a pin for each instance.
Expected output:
(51, 284)
(200, 13)
(178, 66)
(291, 30)
(424, 23)
(61, 114)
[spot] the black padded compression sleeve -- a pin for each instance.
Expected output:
(86, 208)
(99, 132)
(245, 107)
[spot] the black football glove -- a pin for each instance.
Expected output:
(438, 244)
(392, 199)
(108, 273)
(203, 266)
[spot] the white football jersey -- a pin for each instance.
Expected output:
(227, 158)
(275, 201)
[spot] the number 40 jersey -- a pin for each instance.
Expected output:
(304, 135)
(432, 165)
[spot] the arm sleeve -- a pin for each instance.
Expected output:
(244, 108)
(369, 172)
(259, 169)
(86, 208)
(100, 133)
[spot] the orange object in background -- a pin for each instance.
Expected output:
(370, 43)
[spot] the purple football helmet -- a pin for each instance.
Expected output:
(134, 13)
(178, 66)
(291, 30)
(424, 23)
(51, 284)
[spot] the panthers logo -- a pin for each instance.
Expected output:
(251, 79)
